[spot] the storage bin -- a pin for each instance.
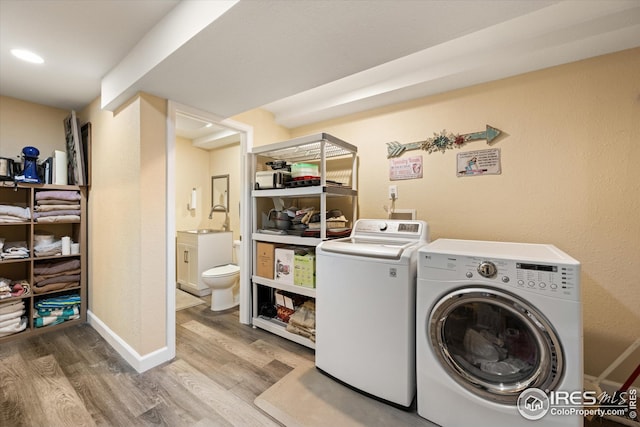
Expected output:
(299, 170)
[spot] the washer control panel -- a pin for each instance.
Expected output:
(543, 278)
(552, 279)
(405, 229)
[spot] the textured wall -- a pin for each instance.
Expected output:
(569, 177)
(24, 123)
(192, 171)
(127, 256)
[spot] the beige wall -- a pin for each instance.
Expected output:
(265, 129)
(127, 258)
(192, 171)
(24, 123)
(570, 155)
(226, 161)
(153, 224)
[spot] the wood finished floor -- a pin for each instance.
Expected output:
(72, 377)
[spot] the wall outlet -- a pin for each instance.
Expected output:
(393, 192)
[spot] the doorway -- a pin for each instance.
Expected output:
(229, 139)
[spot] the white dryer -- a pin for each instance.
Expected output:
(494, 319)
(365, 307)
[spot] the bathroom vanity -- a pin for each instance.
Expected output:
(197, 251)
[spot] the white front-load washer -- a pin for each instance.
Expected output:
(365, 307)
(498, 333)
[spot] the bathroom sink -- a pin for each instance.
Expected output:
(204, 231)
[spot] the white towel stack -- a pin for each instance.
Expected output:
(13, 250)
(12, 318)
(10, 213)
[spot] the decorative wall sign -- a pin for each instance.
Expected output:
(441, 142)
(480, 162)
(408, 168)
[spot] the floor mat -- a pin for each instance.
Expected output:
(307, 398)
(186, 300)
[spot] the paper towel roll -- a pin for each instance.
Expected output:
(66, 245)
(192, 205)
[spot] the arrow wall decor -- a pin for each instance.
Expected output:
(441, 142)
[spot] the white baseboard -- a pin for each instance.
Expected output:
(132, 357)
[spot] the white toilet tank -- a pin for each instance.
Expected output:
(237, 244)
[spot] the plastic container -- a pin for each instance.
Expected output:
(303, 170)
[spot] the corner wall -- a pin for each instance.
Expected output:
(569, 177)
(127, 227)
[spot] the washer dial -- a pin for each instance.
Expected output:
(487, 269)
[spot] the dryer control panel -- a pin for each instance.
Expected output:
(559, 280)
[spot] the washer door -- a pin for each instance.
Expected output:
(495, 344)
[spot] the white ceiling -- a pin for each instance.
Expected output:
(305, 61)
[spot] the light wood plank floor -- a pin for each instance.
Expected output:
(72, 377)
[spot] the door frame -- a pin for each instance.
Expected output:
(246, 145)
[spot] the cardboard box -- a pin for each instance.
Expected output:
(265, 259)
(283, 265)
(304, 270)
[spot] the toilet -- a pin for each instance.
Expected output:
(224, 282)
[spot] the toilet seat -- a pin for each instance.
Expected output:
(222, 271)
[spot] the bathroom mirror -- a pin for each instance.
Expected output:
(220, 192)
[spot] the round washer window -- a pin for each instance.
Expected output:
(495, 344)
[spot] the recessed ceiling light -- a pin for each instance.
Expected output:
(208, 125)
(27, 55)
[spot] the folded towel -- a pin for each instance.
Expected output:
(14, 250)
(11, 315)
(11, 307)
(10, 322)
(58, 279)
(55, 287)
(15, 246)
(58, 212)
(56, 202)
(15, 328)
(10, 219)
(15, 211)
(48, 249)
(58, 194)
(42, 268)
(20, 287)
(58, 302)
(40, 278)
(46, 208)
(59, 219)
(69, 311)
(39, 322)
